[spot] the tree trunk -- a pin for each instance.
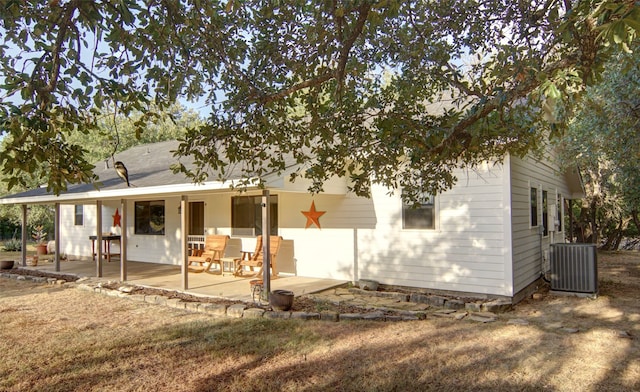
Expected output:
(593, 220)
(618, 240)
(614, 238)
(608, 243)
(624, 225)
(636, 220)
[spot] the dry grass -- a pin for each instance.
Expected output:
(56, 339)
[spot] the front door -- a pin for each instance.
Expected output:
(196, 218)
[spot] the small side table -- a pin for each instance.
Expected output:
(228, 265)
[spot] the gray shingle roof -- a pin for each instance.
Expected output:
(148, 165)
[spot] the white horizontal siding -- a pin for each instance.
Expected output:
(363, 238)
(466, 252)
(74, 240)
(527, 247)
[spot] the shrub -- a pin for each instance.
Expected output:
(12, 245)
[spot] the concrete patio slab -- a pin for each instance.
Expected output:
(168, 277)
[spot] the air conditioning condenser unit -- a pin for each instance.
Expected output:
(574, 268)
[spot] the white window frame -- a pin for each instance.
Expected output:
(433, 206)
(143, 224)
(545, 212)
(538, 204)
(77, 214)
(560, 211)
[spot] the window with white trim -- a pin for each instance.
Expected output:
(149, 217)
(545, 213)
(421, 215)
(246, 215)
(78, 217)
(560, 211)
(533, 202)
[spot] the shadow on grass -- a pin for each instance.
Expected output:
(274, 355)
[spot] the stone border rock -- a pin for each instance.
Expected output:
(448, 308)
(493, 306)
(244, 310)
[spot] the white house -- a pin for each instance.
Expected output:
(488, 236)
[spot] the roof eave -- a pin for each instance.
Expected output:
(575, 183)
(126, 193)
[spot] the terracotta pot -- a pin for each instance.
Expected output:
(281, 299)
(41, 249)
(6, 264)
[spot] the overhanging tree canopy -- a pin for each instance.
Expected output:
(604, 139)
(344, 87)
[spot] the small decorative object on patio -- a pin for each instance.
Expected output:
(281, 299)
(256, 289)
(32, 261)
(40, 237)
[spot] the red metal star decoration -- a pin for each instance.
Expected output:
(116, 218)
(313, 216)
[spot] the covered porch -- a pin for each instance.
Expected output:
(169, 277)
(155, 219)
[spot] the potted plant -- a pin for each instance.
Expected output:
(6, 264)
(40, 237)
(281, 299)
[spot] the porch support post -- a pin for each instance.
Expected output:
(266, 244)
(56, 229)
(99, 238)
(356, 268)
(24, 236)
(123, 240)
(184, 220)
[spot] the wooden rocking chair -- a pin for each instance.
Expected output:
(214, 246)
(256, 259)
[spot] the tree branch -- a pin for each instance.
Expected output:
(265, 99)
(363, 14)
(57, 48)
(338, 74)
(521, 90)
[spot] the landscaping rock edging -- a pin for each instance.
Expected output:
(246, 311)
(456, 309)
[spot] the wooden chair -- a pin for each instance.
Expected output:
(214, 246)
(256, 259)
